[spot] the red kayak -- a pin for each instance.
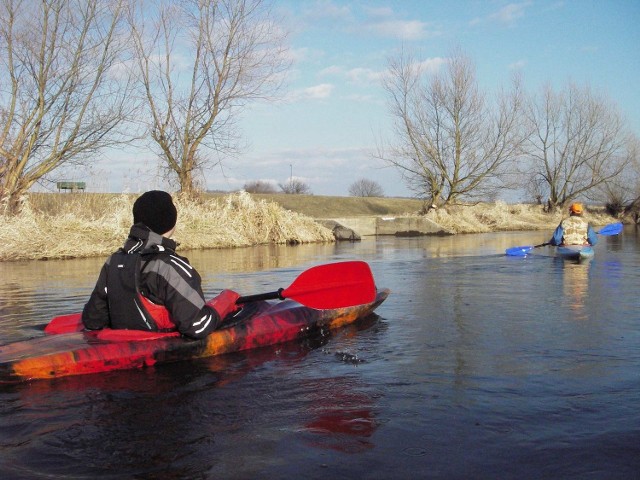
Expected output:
(259, 323)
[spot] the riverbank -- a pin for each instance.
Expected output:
(461, 218)
(86, 225)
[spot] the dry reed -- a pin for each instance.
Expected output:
(500, 216)
(87, 225)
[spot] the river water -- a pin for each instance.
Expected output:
(478, 365)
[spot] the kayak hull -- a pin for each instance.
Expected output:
(257, 325)
(575, 252)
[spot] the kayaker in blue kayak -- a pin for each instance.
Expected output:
(146, 285)
(574, 230)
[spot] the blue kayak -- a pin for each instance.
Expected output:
(575, 252)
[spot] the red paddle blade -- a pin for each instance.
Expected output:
(65, 324)
(333, 285)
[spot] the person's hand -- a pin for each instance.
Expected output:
(224, 303)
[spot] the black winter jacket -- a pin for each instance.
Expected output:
(165, 278)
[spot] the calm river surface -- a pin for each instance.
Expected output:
(479, 365)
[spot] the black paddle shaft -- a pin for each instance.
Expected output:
(261, 296)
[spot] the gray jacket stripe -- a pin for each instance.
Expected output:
(175, 280)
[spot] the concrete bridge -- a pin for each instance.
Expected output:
(352, 228)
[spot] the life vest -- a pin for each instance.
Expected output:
(574, 231)
(128, 308)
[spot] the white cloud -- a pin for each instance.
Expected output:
(319, 91)
(518, 65)
(360, 98)
(510, 13)
(328, 171)
(379, 12)
(378, 21)
(298, 54)
(316, 92)
(308, 157)
(401, 29)
(432, 65)
(507, 15)
(328, 9)
(363, 76)
(332, 70)
(358, 75)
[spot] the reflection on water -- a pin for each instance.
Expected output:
(575, 284)
(101, 424)
(479, 366)
(32, 292)
(345, 424)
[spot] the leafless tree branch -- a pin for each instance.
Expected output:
(579, 144)
(62, 99)
(199, 63)
(449, 142)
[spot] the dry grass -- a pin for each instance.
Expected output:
(332, 207)
(238, 220)
(85, 225)
(500, 216)
(96, 225)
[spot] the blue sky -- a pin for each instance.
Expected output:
(333, 110)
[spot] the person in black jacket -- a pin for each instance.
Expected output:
(146, 285)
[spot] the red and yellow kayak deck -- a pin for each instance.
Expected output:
(258, 324)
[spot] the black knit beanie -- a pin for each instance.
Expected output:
(156, 210)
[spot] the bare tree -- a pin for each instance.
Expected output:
(61, 97)
(366, 188)
(578, 142)
(535, 188)
(621, 193)
(450, 143)
(259, 186)
(295, 187)
(200, 62)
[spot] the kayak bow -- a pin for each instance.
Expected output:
(575, 252)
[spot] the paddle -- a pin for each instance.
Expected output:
(333, 285)
(522, 251)
(611, 229)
